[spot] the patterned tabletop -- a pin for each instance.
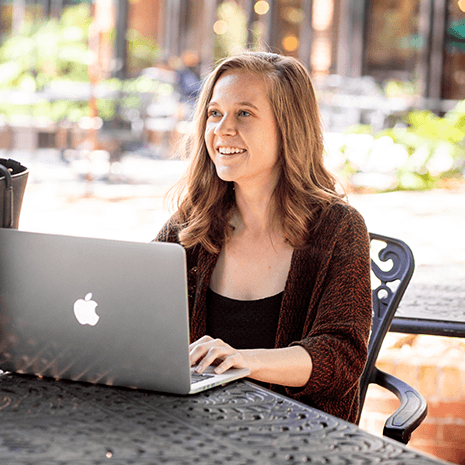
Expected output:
(48, 422)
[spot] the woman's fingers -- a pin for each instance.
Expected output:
(199, 348)
(208, 351)
(234, 360)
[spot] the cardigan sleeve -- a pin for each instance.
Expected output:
(169, 231)
(338, 323)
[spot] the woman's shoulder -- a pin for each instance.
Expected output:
(340, 211)
(343, 210)
(341, 218)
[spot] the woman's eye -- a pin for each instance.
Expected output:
(213, 113)
(244, 113)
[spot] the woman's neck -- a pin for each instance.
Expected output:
(255, 209)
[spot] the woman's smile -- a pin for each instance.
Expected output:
(230, 150)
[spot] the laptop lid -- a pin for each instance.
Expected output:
(94, 310)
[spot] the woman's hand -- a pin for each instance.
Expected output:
(208, 351)
(289, 366)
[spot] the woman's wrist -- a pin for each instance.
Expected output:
(289, 366)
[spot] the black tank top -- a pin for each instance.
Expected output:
(244, 324)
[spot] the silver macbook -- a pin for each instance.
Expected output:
(98, 311)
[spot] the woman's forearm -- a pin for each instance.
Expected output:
(289, 366)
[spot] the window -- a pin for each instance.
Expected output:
(393, 40)
(453, 83)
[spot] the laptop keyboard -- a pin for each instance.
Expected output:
(196, 377)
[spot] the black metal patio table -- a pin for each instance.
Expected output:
(434, 302)
(48, 422)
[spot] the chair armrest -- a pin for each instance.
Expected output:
(409, 415)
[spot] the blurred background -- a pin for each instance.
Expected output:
(97, 80)
(95, 95)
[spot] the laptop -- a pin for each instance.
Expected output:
(99, 311)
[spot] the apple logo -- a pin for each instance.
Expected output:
(84, 310)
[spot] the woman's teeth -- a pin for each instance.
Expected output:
(229, 150)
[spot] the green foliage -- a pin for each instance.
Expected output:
(56, 52)
(435, 146)
(426, 153)
(43, 51)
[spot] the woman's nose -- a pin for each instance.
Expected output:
(226, 127)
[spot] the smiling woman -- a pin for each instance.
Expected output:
(278, 264)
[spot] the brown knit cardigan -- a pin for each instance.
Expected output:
(326, 307)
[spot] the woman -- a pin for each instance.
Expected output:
(278, 264)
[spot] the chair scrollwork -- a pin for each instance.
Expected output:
(392, 266)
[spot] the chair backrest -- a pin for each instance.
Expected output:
(392, 266)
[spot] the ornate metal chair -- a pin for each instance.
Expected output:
(392, 266)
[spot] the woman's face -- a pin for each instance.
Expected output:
(241, 133)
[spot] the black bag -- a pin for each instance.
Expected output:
(13, 179)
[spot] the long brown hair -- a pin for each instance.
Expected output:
(304, 189)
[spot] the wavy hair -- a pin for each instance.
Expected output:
(305, 188)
